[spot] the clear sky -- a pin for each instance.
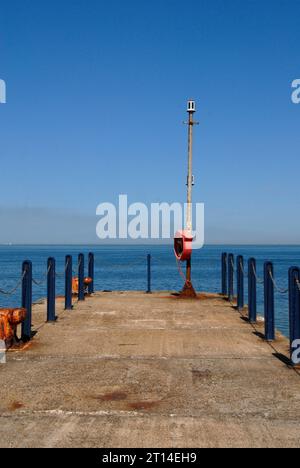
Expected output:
(96, 96)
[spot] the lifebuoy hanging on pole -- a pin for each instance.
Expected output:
(183, 245)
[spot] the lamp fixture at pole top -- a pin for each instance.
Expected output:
(191, 106)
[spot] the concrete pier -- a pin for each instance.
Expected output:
(137, 370)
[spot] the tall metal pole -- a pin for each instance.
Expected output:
(190, 171)
(189, 189)
(188, 288)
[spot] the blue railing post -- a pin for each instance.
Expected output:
(91, 273)
(230, 277)
(269, 302)
(68, 283)
(27, 300)
(149, 274)
(252, 290)
(240, 282)
(81, 277)
(51, 317)
(294, 314)
(224, 274)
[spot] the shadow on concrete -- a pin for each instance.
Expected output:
(259, 334)
(283, 359)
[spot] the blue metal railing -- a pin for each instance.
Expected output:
(228, 267)
(27, 281)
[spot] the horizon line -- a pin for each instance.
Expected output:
(274, 244)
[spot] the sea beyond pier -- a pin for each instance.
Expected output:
(129, 369)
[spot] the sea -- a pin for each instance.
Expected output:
(123, 268)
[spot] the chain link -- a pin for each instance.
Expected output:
(44, 280)
(78, 266)
(260, 281)
(243, 269)
(280, 290)
(61, 275)
(38, 283)
(12, 291)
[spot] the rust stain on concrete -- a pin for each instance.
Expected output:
(114, 396)
(15, 405)
(142, 405)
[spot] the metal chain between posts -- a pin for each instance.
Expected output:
(12, 291)
(62, 275)
(43, 281)
(78, 266)
(243, 269)
(260, 281)
(232, 264)
(279, 290)
(298, 284)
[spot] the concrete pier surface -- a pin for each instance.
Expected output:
(137, 370)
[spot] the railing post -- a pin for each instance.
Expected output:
(294, 314)
(224, 274)
(68, 283)
(51, 317)
(269, 302)
(240, 282)
(252, 290)
(149, 274)
(91, 272)
(27, 300)
(230, 277)
(81, 277)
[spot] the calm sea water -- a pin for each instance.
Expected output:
(124, 268)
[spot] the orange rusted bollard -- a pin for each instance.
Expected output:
(9, 320)
(87, 282)
(75, 285)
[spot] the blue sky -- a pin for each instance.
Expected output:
(96, 96)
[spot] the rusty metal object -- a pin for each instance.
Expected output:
(188, 289)
(75, 284)
(9, 320)
(87, 281)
